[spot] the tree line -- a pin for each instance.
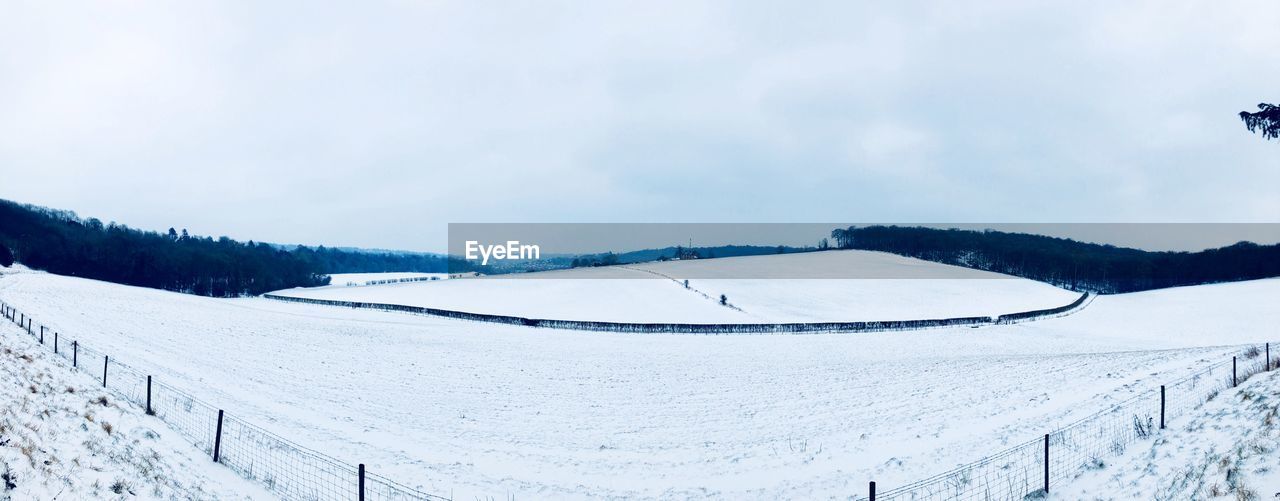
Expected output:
(60, 242)
(1070, 264)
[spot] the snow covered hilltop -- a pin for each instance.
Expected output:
(909, 289)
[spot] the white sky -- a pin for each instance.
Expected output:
(375, 124)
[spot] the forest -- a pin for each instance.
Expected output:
(60, 242)
(1070, 264)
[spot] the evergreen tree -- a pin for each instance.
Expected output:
(1078, 266)
(1265, 121)
(62, 243)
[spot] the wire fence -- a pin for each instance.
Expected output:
(287, 469)
(1031, 469)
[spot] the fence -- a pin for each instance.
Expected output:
(1012, 318)
(683, 328)
(288, 470)
(1033, 467)
(393, 281)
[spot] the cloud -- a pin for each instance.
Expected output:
(376, 124)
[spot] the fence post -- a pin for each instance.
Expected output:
(1046, 463)
(1268, 356)
(55, 342)
(1161, 407)
(104, 371)
(75, 352)
(872, 497)
(361, 482)
(217, 439)
(149, 411)
(1234, 382)
(41, 334)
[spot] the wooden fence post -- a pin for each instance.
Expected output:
(1046, 463)
(149, 411)
(75, 352)
(1234, 382)
(872, 489)
(217, 439)
(361, 482)
(41, 334)
(1268, 356)
(104, 371)
(1161, 407)
(55, 342)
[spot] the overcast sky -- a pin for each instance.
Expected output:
(375, 124)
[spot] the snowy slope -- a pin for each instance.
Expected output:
(1229, 449)
(1176, 317)
(473, 409)
(62, 436)
(895, 288)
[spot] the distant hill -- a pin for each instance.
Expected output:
(677, 252)
(1078, 266)
(61, 242)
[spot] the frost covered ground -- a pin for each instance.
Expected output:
(891, 288)
(478, 410)
(1228, 449)
(62, 436)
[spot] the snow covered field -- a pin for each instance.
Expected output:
(1229, 449)
(471, 409)
(896, 288)
(62, 436)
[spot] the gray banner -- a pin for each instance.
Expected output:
(1065, 252)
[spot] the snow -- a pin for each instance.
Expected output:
(1229, 448)
(895, 288)
(62, 436)
(478, 410)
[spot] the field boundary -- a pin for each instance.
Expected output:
(283, 467)
(691, 328)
